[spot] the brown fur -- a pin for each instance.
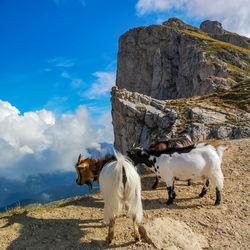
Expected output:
(90, 168)
(170, 143)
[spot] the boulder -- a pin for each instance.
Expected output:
(169, 234)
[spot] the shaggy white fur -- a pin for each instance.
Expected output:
(115, 194)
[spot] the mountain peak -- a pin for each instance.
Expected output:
(175, 23)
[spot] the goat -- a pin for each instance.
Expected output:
(198, 160)
(162, 145)
(120, 186)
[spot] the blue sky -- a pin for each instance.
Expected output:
(48, 45)
(58, 63)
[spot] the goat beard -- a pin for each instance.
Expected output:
(89, 183)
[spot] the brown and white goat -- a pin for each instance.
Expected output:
(162, 145)
(120, 186)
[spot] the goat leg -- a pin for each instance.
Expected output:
(156, 182)
(110, 236)
(204, 189)
(171, 195)
(136, 231)
(218, 197)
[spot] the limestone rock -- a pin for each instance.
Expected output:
(173, 61)
(175, 23)
(213, 27)
(216, 31)
(140, 119)
(169, 234)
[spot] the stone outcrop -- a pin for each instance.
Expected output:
(140, 119)
(213, 27)
(215, 30)
(176, 60)
(169, 234)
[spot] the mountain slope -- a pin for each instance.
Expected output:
(77, 224)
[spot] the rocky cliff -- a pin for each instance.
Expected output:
(176, 60)
(140, 119)
(160, 65)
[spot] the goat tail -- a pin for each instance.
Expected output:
(220, 150)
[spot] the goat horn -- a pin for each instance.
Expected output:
(131, 147)
(79, 158)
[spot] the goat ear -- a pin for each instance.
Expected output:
(79, 158)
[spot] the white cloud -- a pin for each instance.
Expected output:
(76, 83)
(61, 62)
(38, 142)
(65, 75)
(234, 15)
(105, 134)
(46, 197)
(105, 81)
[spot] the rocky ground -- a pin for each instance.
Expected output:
(78, 224)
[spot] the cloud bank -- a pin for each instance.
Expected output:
(39, 142)
(234, 15)
(103, 84)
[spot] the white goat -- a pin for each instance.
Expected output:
(195, 161)
(120, 185)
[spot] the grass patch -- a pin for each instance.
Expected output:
(233, 101)
(221, 50)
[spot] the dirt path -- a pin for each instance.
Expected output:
(78, 224)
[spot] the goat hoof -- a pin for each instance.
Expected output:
(189, 183)
(201, 195)
(169, 202)
(217, 203)
(108, 240)
(136, 235)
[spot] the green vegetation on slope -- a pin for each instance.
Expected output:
(233, 101)
(227, 52)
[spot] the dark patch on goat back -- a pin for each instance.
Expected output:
(100, 163)
(170, 143)
(171, 151)
(124, 177)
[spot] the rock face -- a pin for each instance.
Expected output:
(213, 27)
(140, 119)
(216, 31)
(173, 61)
